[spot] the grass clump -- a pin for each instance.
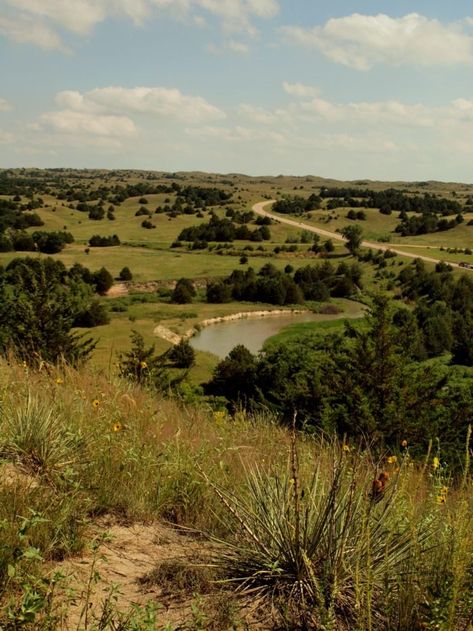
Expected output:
(36, 435)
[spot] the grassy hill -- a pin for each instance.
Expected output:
(205, 521)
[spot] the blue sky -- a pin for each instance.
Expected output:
(375, 89)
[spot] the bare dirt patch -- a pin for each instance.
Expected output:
(158, 564)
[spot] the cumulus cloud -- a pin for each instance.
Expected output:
(362, 41)
(4, 105)
(73, 123)
(237, 134)
(373, 112)
(36, 21)
(161, 102)
(239, 48)
(25, 30)
(300, 89)
(5, 136)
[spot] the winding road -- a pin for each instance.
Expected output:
(259, 209)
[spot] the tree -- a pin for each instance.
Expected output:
(103, 280)
(125, 274)
(182, 355)
(183, 292)
(235, 376)
(39, 302)
(354, 237)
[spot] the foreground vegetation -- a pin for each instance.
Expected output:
(323, 534)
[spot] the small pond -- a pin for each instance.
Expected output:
(220, 338)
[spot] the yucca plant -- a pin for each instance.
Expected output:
(33, 433)
(321, 547)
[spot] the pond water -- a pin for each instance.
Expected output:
(220, 338)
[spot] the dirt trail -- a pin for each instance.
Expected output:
(125, 559)
(259, 209)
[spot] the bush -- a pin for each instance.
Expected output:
(95, 315)
(183, 292)
(182, 355)
(103, 280)
(125, 274)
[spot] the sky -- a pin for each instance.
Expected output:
(368, 89)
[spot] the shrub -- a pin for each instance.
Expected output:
(125, 274)
(103, 280)
(182, 355)
(183, 292)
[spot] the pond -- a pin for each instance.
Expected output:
(220, 338)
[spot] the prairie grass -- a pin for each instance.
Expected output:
(297, 520)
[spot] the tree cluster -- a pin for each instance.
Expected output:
(269, 285)
(296, 205)
(223, 230)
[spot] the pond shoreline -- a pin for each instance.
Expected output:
(174, 338)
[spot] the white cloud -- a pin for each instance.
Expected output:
(5, 136)
(4, 105)
(262, 116)
(36, 21)
(237, 134)
(167, 103)
(73, 123)
(25, 30)
(374, 112)
(239, 48)
(362, 41)
(300, 89)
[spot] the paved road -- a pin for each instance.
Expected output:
(259, 209)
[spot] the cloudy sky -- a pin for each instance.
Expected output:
(376, 89)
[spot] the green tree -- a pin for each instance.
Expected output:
(103, 280)
(125, 274)
(182, 355)
(235, 376)
(183, 292)
(354, 237)
(38, 305)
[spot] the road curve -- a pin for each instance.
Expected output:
(259, 210)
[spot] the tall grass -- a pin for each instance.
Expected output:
(296, 518)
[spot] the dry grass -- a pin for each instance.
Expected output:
(166, 462)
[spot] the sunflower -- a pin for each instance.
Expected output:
(96, 404)
(117, 427)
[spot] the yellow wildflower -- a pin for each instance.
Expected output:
(143, 365)
(444, 490)
(96, 404)
(404, 443)
(441, 499)
(59, 380)
(117, 427)
(436, 463)
(346, 447)
(392, 459)
(219, 416)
